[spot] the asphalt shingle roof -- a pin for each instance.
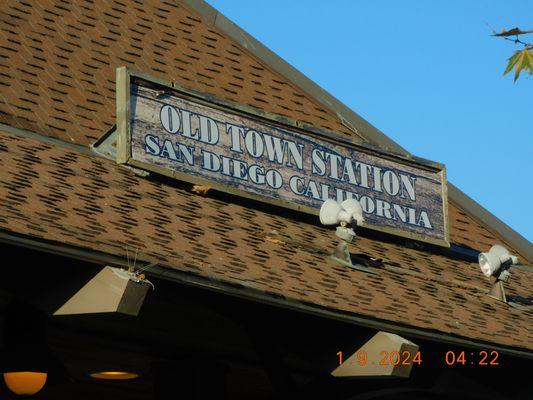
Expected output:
(57, 78)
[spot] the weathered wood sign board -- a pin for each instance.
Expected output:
(200, 139)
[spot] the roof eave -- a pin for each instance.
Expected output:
(175, 275)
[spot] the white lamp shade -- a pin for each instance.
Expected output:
(329, 212)
(491, 261)
(353, 207)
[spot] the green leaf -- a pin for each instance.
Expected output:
(521, 60)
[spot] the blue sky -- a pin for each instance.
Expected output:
(427, 74)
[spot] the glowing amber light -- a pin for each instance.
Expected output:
(25, 383)
(114, 375)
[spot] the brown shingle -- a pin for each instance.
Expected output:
(68, 55)
(61, 195)
(58, 71)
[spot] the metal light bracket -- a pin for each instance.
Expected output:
(497, 291)
(342, 256)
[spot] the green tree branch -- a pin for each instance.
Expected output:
(521, 60)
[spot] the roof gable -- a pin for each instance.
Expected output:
(58, 77)
(72, 50)
(482, 225)
(57, 63)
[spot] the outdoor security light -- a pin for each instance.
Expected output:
(354, 209)
(329, 212)
(496, 260)
(333, 213)
(494, 264)
(347, 212)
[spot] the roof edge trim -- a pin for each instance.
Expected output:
(166, 273)
(46, 139)
(465, 202)
(351, 118)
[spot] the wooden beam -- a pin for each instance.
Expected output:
(385, 354)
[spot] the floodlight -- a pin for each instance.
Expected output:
(495, 264)
(496, 260)
(347, 212)
(353, 207)
(329, 212)
(333, 213)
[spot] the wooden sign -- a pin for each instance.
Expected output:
(198, 138)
